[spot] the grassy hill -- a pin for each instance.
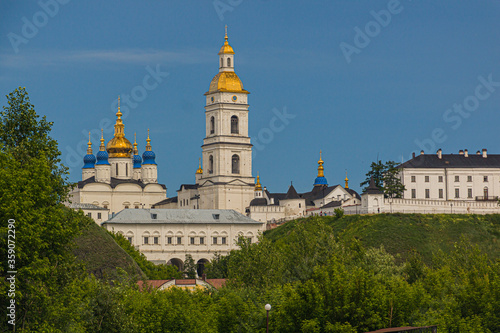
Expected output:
(401, 233)
(102, 255)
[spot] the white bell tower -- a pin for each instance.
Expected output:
(227, 181)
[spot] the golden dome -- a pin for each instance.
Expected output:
(119, 146)
(228, 82)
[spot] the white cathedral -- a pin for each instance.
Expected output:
(118, 178)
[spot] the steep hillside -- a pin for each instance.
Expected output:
(102, 255)
(401, 233)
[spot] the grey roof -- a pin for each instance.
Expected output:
(258, 202)
(353, 193)
(176, 216)
(372, 189)
(452, 161)
(188, 187)
(332, 204)
(165, 201)
(292, 193)
(88, 206)
(115, 182)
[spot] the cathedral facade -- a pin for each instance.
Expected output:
(117, 178)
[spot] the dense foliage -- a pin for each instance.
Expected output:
(322, 274)
(386, 177)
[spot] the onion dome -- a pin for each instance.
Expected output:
(89, 159)
(102, 154)
(119, 146)
(149, 156)
(226, 48)
(320, 180)
(200, 170)
(137, 158)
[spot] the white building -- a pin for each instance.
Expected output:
(321, 200)
(167, 235)
(117, 177)
(442, 183)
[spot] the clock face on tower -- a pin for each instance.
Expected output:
(234, 98)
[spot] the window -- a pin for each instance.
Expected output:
(469, 193)
(212, 125)
(235, 164)
(155, 240)
(485, 193)
(457, 179)
(214, 240)
(216, 216)
(249, 240)
(202, 240)
(413, 179)
(234, 125)
(299, 205)
(154, 216)
(169, 240)
(223, 240)
(179, 240)
(126, 169)
(228, 62)
(129, 239)
(426, 179)
(191, 240)
(136, 207)
(221, 62)
(427, 193)
(117, 169)
(485, 179)
(440, 193)
(105, 206)
(127, 206)
(469, 179)
(457, 193)
(211, 164)
(99, 216)
(146, 240)
(413, 193)
(89, 214)
(440, 179)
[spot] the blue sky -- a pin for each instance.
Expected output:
(383, 92)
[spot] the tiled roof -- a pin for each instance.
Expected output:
(165, 201)
(292, 193)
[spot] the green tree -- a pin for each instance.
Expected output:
(189, 267)
(386, 177)
(377, 172)
(393, 188)
(32, 187)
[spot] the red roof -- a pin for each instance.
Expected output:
(152, 284)
(217, 283)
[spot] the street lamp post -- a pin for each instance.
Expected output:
(267, 307)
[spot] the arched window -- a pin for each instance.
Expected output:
(126, 169)
(235, 164)
(212, 125)
(117, 169)
(228, 62)
(221, 62)
(234, 125)
(211, 164)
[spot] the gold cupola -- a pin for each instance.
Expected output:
(346, 180)
(200, 170)
(226, 80)
(258, 186)
(119, 146)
